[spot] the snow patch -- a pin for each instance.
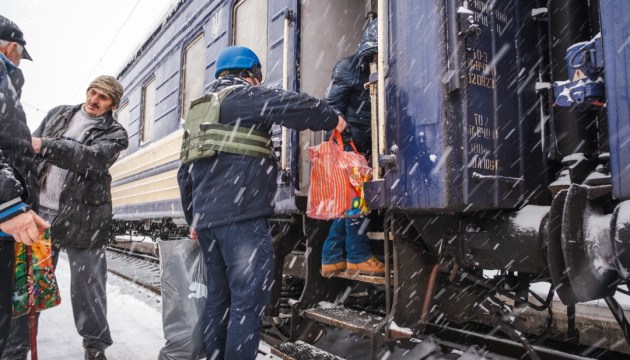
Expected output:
(528, 219)
(326, 305)
(574, 158)
(597, 241)
(464, 11)
(399, 329)
(539, 11)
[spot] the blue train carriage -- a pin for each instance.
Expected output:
(502, 145)
(483, 160)
(176, 65)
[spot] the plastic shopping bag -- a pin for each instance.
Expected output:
(45, 289)
(184, 294)
(337, 178)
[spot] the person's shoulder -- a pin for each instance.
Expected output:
(347, 62)
(345, 66)
(269, 92)
(61, 108)
(113, 124)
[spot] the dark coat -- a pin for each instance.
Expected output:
(227, 188)
(347, 94)
(18, 176)
(85, 203)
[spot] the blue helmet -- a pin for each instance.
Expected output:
(236, 57)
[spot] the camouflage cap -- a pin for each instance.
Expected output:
(110, 86)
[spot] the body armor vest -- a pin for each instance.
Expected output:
(204, 135)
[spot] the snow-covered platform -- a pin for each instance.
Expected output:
(134, 315)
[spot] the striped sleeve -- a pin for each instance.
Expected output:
(11, 209)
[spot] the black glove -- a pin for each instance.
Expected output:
(346, 134)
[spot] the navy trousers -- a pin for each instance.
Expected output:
(347, 239)
(239, 260)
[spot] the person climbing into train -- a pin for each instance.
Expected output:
(76, 146)
(347, 247)
(18, 172)
(228, 189)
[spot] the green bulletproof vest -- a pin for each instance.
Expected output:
(204, 135)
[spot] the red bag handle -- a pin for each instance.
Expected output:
(337, 135)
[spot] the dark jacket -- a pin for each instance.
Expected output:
(227, 188)
(347, 94)
(18, 177)
(85, 203)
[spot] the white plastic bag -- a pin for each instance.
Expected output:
(184, 294)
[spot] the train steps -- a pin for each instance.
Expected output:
(300, 350)
(359, 322)
(378, 280)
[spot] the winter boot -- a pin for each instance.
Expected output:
(94, 353)
(371, 267)
(333, 269)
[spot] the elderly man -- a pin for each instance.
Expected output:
(77, 145)
(18, 179)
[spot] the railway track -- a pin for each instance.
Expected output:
(141, 269)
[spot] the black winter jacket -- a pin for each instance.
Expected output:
(347, 94)
(18, 176)
(227, 188)
(85, 204)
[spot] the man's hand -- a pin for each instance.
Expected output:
(193, 235)
(37, 144)
(341, 125)
(24, 227)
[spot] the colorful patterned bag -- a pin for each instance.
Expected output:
(337, 178)
(45, 290)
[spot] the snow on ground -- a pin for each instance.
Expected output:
(542, 289)
(134, 315)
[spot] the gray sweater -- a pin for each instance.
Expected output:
(80, 123)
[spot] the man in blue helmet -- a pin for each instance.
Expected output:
(228, 182)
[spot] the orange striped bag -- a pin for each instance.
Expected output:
(337, 177)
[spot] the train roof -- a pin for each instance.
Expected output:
(168, 13)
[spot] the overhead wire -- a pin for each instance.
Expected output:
(107, 49)
(32, 107)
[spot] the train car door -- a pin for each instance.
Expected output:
(329, 31)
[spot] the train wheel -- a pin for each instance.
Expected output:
(557, 267)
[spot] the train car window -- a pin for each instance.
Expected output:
(192, 70)
(148, 111)
(250, 28)
(122, 116)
